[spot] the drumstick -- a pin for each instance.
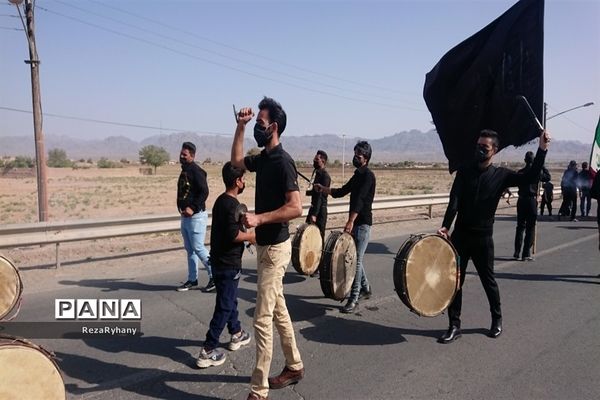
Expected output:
(235, 114)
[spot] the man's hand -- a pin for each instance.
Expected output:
(245, 115)
(313, 219)
(321, 189)
(252, 239)
(443, 232)
(251, 220)
(545, 140)
(187, 212)
(349, 226)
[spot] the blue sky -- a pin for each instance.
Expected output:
(341, 67)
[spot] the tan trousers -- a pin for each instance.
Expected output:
(270, 307)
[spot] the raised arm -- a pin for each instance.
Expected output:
(237, 148)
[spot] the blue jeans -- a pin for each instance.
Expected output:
(362, 234)
(226, 312)
(193, 230)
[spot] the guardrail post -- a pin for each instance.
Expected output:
(430, 211)
(57, 257)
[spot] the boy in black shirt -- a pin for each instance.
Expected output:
(226, 248)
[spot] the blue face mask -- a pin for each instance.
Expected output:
(261, 136)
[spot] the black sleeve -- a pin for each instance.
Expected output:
(545, 175)
(360, 200)
(198, 202)
(232, 227)
(531, 176)
(290, 176)
(251, 162)
(344, 190)
(452, 208)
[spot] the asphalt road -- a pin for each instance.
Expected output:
(550, 348)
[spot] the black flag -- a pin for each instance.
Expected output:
(476, 84)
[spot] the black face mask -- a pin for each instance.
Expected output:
(182, 160)
(316, 165)
(356, 162)
(241, 190)
(261, 136)
(481, 154)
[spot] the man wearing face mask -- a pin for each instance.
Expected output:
(277, 201)
(362, 191)
(192, 192)
(317, 214)
(473, 201)
(527, 211)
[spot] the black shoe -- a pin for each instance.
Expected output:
(451, 335)
(350, 307)
(528, 258)
(187, 286)
(516, 256)
(210, 286)
(365, 293)
(496, 329)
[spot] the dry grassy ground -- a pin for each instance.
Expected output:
(123, 192)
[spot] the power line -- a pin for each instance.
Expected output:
(129, 125)
(268, 69)
(239, 50)
(11, 29)
(151, 43)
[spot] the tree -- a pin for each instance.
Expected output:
(154, 155)
(57, 158)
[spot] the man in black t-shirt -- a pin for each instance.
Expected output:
(226, 248)
(277, 201)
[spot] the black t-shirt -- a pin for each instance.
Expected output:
(275, 176)
(362, 191)
(224, 252)
(192, 188)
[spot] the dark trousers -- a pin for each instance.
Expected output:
(526, 220)
(585, 202)
(479, 248)
(569, 203)
(321, 220)
(226, 312)
(546, 203)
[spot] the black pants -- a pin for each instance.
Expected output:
(547, 203)
(321, 221)
(479, 248)
(569, 203)
(226, 303)
(526, 219)
(585, 202)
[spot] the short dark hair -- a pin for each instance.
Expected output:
(230, 174)
(322, 154)
(584, 165)
(364, 149)
(189, 146)
(488, 133)
(529, 157)
(276, 113)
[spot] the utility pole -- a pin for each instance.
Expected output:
(40, 153)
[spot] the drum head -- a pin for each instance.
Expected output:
(339, 265)
(428, 274)
(306, 249)
(26, 371)
(240, 210)
(10, 287)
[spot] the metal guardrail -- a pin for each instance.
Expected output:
(44, 233)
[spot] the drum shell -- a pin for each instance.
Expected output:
(11, 288)
(307, 246)
(330, 271)
(448, 284)
(28, 371)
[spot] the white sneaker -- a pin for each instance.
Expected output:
(238, 340)
(210, 359)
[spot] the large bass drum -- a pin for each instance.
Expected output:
(306, 249)
(338, 265)
(27, 371)
(427, 274)
(11, 288)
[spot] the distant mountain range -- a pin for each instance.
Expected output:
(411, 145)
